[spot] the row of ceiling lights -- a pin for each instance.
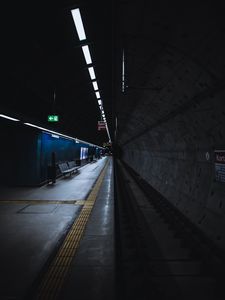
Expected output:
(86, 52)
(85, 48)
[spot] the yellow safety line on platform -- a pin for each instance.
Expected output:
(44, 202)
(53, 280)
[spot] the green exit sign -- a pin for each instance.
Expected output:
(53, 118)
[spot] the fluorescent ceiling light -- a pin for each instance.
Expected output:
(79, 24)
(60, 134)
(32, 125)
(47, 130)
(87, 54)
(99, 102)
(91, 72)
(97, 95)
(95, 85)
(9, 118)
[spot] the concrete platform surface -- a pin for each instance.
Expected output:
(92, 271)
(29, 233)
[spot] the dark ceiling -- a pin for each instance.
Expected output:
(43, 54)
(164, 44)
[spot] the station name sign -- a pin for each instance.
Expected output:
(220, 165)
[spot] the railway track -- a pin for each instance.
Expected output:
(160, 255)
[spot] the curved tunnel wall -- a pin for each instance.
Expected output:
(170, 135)
(177, 158)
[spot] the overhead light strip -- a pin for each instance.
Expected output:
(95, 85)
(87, 54)
(7, 117)
(107, 129)
(47, 130)
(97, 95)
(91, 72)
(78, 24)
(82, 36)
(60, 134)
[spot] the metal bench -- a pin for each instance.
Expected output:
(68, 168)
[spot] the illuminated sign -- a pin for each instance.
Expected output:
(101, 125)
(53, 118)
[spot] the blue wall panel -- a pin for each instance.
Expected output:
(26, 153)
(64, 149)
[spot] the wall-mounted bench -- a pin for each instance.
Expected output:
(68, 168)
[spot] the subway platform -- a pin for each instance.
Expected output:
(57, 242)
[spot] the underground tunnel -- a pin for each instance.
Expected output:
(171, 114)
(160, 69)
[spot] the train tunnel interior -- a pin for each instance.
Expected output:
(170, 116)
(160, 68)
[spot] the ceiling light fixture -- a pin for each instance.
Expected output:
(87, 54)
(97, 95)
(82, 36)
(95, 85)
(78, 24)
(91, 72)
(9, 118)
(60, 134)
(107, 129)
(47, 130)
